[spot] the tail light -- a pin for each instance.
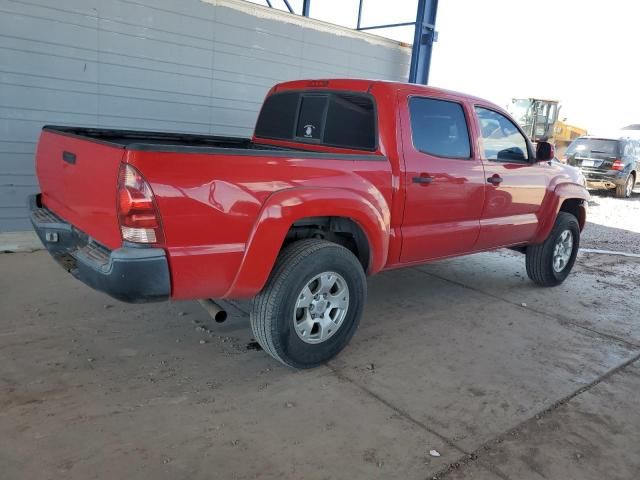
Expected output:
(617, 165)
(137, 212)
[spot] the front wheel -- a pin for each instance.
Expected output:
(549, 263)
(311, 305)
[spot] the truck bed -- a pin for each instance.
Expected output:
(161, 141)
(78, 171)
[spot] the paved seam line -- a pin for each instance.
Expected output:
(475, 455)
(610, 252)
(606, 335)
(396, 409)
(548, 315)
(463, 460)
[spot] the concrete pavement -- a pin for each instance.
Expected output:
(466, 357)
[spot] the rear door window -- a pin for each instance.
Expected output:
(629, 148)
(338, 119)
(439, 127)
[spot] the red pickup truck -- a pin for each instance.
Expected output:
(341, 179)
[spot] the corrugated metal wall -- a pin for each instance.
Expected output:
(181, 65)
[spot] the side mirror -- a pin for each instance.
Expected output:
(544, 152)
(513, 154)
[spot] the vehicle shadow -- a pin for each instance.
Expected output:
(597, 194)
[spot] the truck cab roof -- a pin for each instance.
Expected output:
(363, 85)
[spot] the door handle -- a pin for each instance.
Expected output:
(495, 180)
(425, 180)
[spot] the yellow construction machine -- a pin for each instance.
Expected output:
(539, 120)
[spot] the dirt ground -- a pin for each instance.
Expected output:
(462, 369)
(614, 224)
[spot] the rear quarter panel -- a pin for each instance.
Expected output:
(210, 204)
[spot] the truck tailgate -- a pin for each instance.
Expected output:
(78, 180)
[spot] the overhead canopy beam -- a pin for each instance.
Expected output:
(286, 2)
(390, 25)
(423, 38)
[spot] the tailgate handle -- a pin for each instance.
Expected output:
(69, 157)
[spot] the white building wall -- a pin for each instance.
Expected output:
(176, 65)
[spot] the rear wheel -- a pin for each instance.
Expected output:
(549, 263)
(311, 305)
(625, 190)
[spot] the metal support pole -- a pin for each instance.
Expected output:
(306, 7)
(423, 39)
(359, 14)
(286, 2)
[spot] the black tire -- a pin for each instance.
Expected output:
(539, 258)
(625, 190)
(272, 313)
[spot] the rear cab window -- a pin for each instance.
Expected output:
(336, 119)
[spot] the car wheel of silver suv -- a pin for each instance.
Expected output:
(625, 190)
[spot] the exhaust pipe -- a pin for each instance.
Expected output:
(216, 312)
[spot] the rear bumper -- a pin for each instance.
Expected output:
(129, 274)
(608, 179)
